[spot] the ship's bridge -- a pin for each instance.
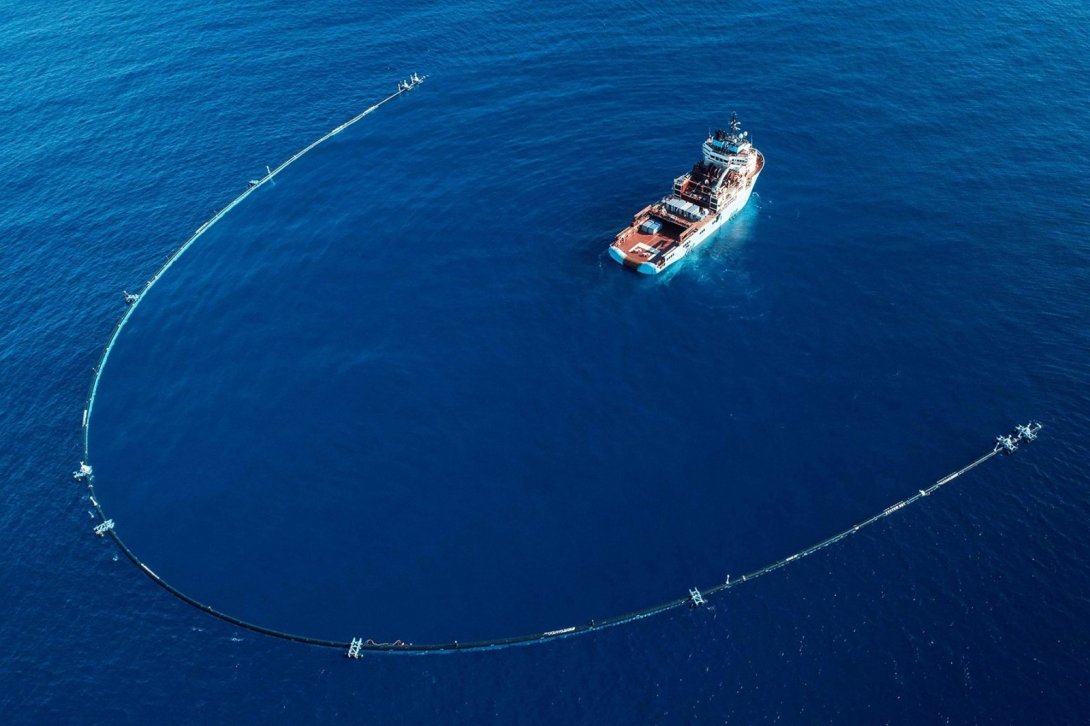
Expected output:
(730, 154)
(729, 149)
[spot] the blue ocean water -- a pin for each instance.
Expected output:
(402, 392)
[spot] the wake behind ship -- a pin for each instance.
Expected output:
(702, 201)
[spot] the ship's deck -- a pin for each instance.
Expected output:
(637, 247)
(642, 246)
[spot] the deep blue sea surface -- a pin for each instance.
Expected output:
(402, 392)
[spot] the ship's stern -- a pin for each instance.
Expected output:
(632, 263)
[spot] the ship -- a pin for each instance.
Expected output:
(701, 202)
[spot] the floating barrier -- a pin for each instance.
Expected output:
(133, 299)
(357, 646)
